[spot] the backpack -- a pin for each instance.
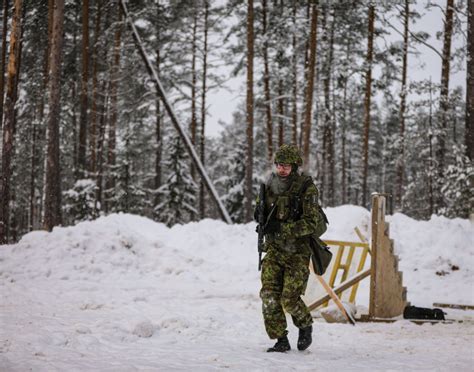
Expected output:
(413, 312)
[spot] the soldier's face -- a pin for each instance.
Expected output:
(283, 170)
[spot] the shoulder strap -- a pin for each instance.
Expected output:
(304, 186)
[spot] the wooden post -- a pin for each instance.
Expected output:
(387, 294)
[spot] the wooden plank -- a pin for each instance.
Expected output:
(340, 288)
(454, 306)
(362, 238)
(373, 264)
(345, 244)
(336, 300)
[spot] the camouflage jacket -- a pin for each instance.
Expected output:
(298, 216)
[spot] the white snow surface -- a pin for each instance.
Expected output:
(123, 293)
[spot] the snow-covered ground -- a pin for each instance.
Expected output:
(124, 293)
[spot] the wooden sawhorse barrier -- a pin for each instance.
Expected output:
(388, 297)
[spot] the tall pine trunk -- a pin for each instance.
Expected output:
(9, 124)
(95, 95)
(100, 146)
(111, 144)
(266, 83)
(403, 94)
(3, 60)
(81, 156)
(343, 145)
(306, 63)
(294, 136)
(444, 94)
(249, 114)
(32, 214)
(430, 140)
(469, 133)
(328, 137)
(281, 111)
(39, 129)
(367, 102)
(310, 74)
(202, 208)
(193, 126)
(158, 135)
(52, 207)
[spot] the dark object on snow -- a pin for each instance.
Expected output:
(304, 338)
(281, 345)
(413, 312)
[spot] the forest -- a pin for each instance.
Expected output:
(85, 132)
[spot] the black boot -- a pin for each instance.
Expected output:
(304, 338)
(281, 345)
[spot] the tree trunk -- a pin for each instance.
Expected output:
(202, 208)
(367, 102)
(103, 98)
(430, 139)
(444, 94)
(403, 93)
(3, 61)
(328, 149)
(249, 114)
(81, 156)
(32, 217)
(37, 126)
(310, 85)
(469, 133)
(9, 125)
(158, 135)
(110, 184)
(95, 98)
(294, 136)
(52, 207)
(73, 88)
(100, 146)
(281, 111)
(193, 125)
(343, 145)
(266, 83)
(306, 63)
(46, 60)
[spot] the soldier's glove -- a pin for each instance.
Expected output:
(272, 227)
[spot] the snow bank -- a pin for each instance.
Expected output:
(125, 293)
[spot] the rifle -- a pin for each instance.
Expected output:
(261, 223)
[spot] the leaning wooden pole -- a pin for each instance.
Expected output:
(159, 88)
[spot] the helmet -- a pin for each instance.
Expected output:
(288, 154)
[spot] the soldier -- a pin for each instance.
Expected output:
(293, 215)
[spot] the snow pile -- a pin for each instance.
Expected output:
(124, 293)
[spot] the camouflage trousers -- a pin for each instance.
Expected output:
(284, 279)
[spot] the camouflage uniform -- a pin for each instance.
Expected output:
(285, 268)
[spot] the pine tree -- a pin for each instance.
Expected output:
(52, 203)
(178, 192)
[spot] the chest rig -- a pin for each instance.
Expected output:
(287, 206)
